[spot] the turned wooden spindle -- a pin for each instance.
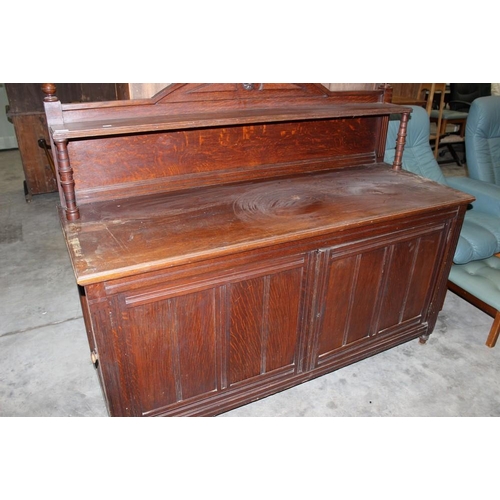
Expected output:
(64, 169)
(50, 90)
(66, 180)
(400, 142)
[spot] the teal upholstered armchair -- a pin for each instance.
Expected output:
(482, 139)
(476, 271)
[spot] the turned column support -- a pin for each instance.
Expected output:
(66, 180)
(400, 142)
(53, 112)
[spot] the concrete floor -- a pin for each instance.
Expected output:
(45, 367)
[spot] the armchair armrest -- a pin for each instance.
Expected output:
(487, 195)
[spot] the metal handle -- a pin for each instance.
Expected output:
(48, 152)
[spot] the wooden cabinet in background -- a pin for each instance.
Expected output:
(27, 115)
(407, 93)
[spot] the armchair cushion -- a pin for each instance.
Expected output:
(487, 195)
(479, 237)
(480, 278)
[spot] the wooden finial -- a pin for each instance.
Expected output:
(50, 90)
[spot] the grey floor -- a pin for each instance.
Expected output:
(45, 368)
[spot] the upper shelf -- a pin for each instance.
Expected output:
(111, 126)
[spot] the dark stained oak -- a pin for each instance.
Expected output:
(111, 238)
(232, 240)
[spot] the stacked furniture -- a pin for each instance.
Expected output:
(475, 274)
(232, 240)
(429, 90)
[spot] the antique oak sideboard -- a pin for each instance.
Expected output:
(232, 240)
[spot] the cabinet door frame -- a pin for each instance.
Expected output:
(289, 272)
(406, 326)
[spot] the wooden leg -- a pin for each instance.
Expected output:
(423, 338)
(494, 332)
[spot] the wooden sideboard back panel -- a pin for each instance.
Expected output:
(134, 165)
(193, 135)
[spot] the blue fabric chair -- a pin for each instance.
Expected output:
(482, 139)
(474, 275)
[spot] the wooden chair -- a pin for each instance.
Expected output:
(444, 118)
(429, 90)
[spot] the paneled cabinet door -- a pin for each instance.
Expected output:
(184, 342)
(369, 293)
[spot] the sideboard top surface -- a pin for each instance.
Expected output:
(121, 238)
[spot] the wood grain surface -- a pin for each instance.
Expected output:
(126, 237)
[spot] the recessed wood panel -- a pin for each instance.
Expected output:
(283, 319)
(152, 354)
(195, 332)
(336, 304)
(172, 344)
(351, 299)
(263, 324)
(400, 267)
(424, 271)
(246, 310)
(365, 295)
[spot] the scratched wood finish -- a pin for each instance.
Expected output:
(112, 239)
(232, 240)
